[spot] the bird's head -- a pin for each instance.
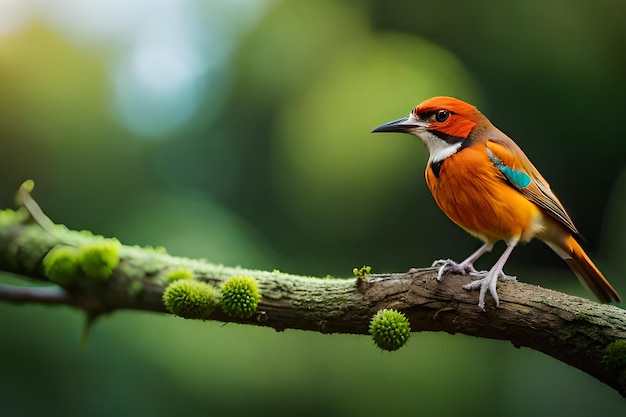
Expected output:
(442, 123)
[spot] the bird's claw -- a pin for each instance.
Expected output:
(488, 281)
(479, 274)
(501, 276)
(447, 266)
(504, 277)
(485, 280)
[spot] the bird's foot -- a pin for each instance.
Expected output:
(447, 266)
(487, 281)
(501, 276)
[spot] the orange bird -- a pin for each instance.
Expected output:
(485, 184)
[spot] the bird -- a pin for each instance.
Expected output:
(482, 180)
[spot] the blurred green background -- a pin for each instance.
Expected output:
(239, 132)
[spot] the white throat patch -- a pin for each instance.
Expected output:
(439, 149)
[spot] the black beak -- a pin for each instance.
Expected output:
(404, 125)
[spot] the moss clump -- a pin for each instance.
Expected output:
(362, 272)
(98, 259)
(190, 299)
(10, 217)
(615, 353)
(581, 316)
(390, 329)
(240, 296)
(61, 265)
(95, 261)
(178, 273)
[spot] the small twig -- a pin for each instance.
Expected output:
(25, 199)
(43, 295)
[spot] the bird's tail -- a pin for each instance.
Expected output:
(588, 274)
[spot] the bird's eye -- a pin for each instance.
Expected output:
(442, 115)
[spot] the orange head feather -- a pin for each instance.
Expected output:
(449, 116)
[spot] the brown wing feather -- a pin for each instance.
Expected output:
(538, 191)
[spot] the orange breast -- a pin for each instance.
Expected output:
(472, 192)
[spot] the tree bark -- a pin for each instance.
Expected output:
(570, 329)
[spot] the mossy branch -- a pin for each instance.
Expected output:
(100, 276)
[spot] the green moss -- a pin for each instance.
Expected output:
(155, 249)
(567, 332)
(179, 273)
(134, 272)
(190, 299)
(362, 272)
(98, 259)
(11, 217)
(240, 296)
(29, 247)
(581, 316)
(390, 329)
(615, 353)
(61, 265)
(135, 287)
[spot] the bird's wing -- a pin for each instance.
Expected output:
(522, 175)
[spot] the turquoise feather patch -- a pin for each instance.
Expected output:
(517, 177)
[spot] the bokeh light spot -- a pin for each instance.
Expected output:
(157, 87)
(14, 14)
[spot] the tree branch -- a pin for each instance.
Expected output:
(570, 329)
